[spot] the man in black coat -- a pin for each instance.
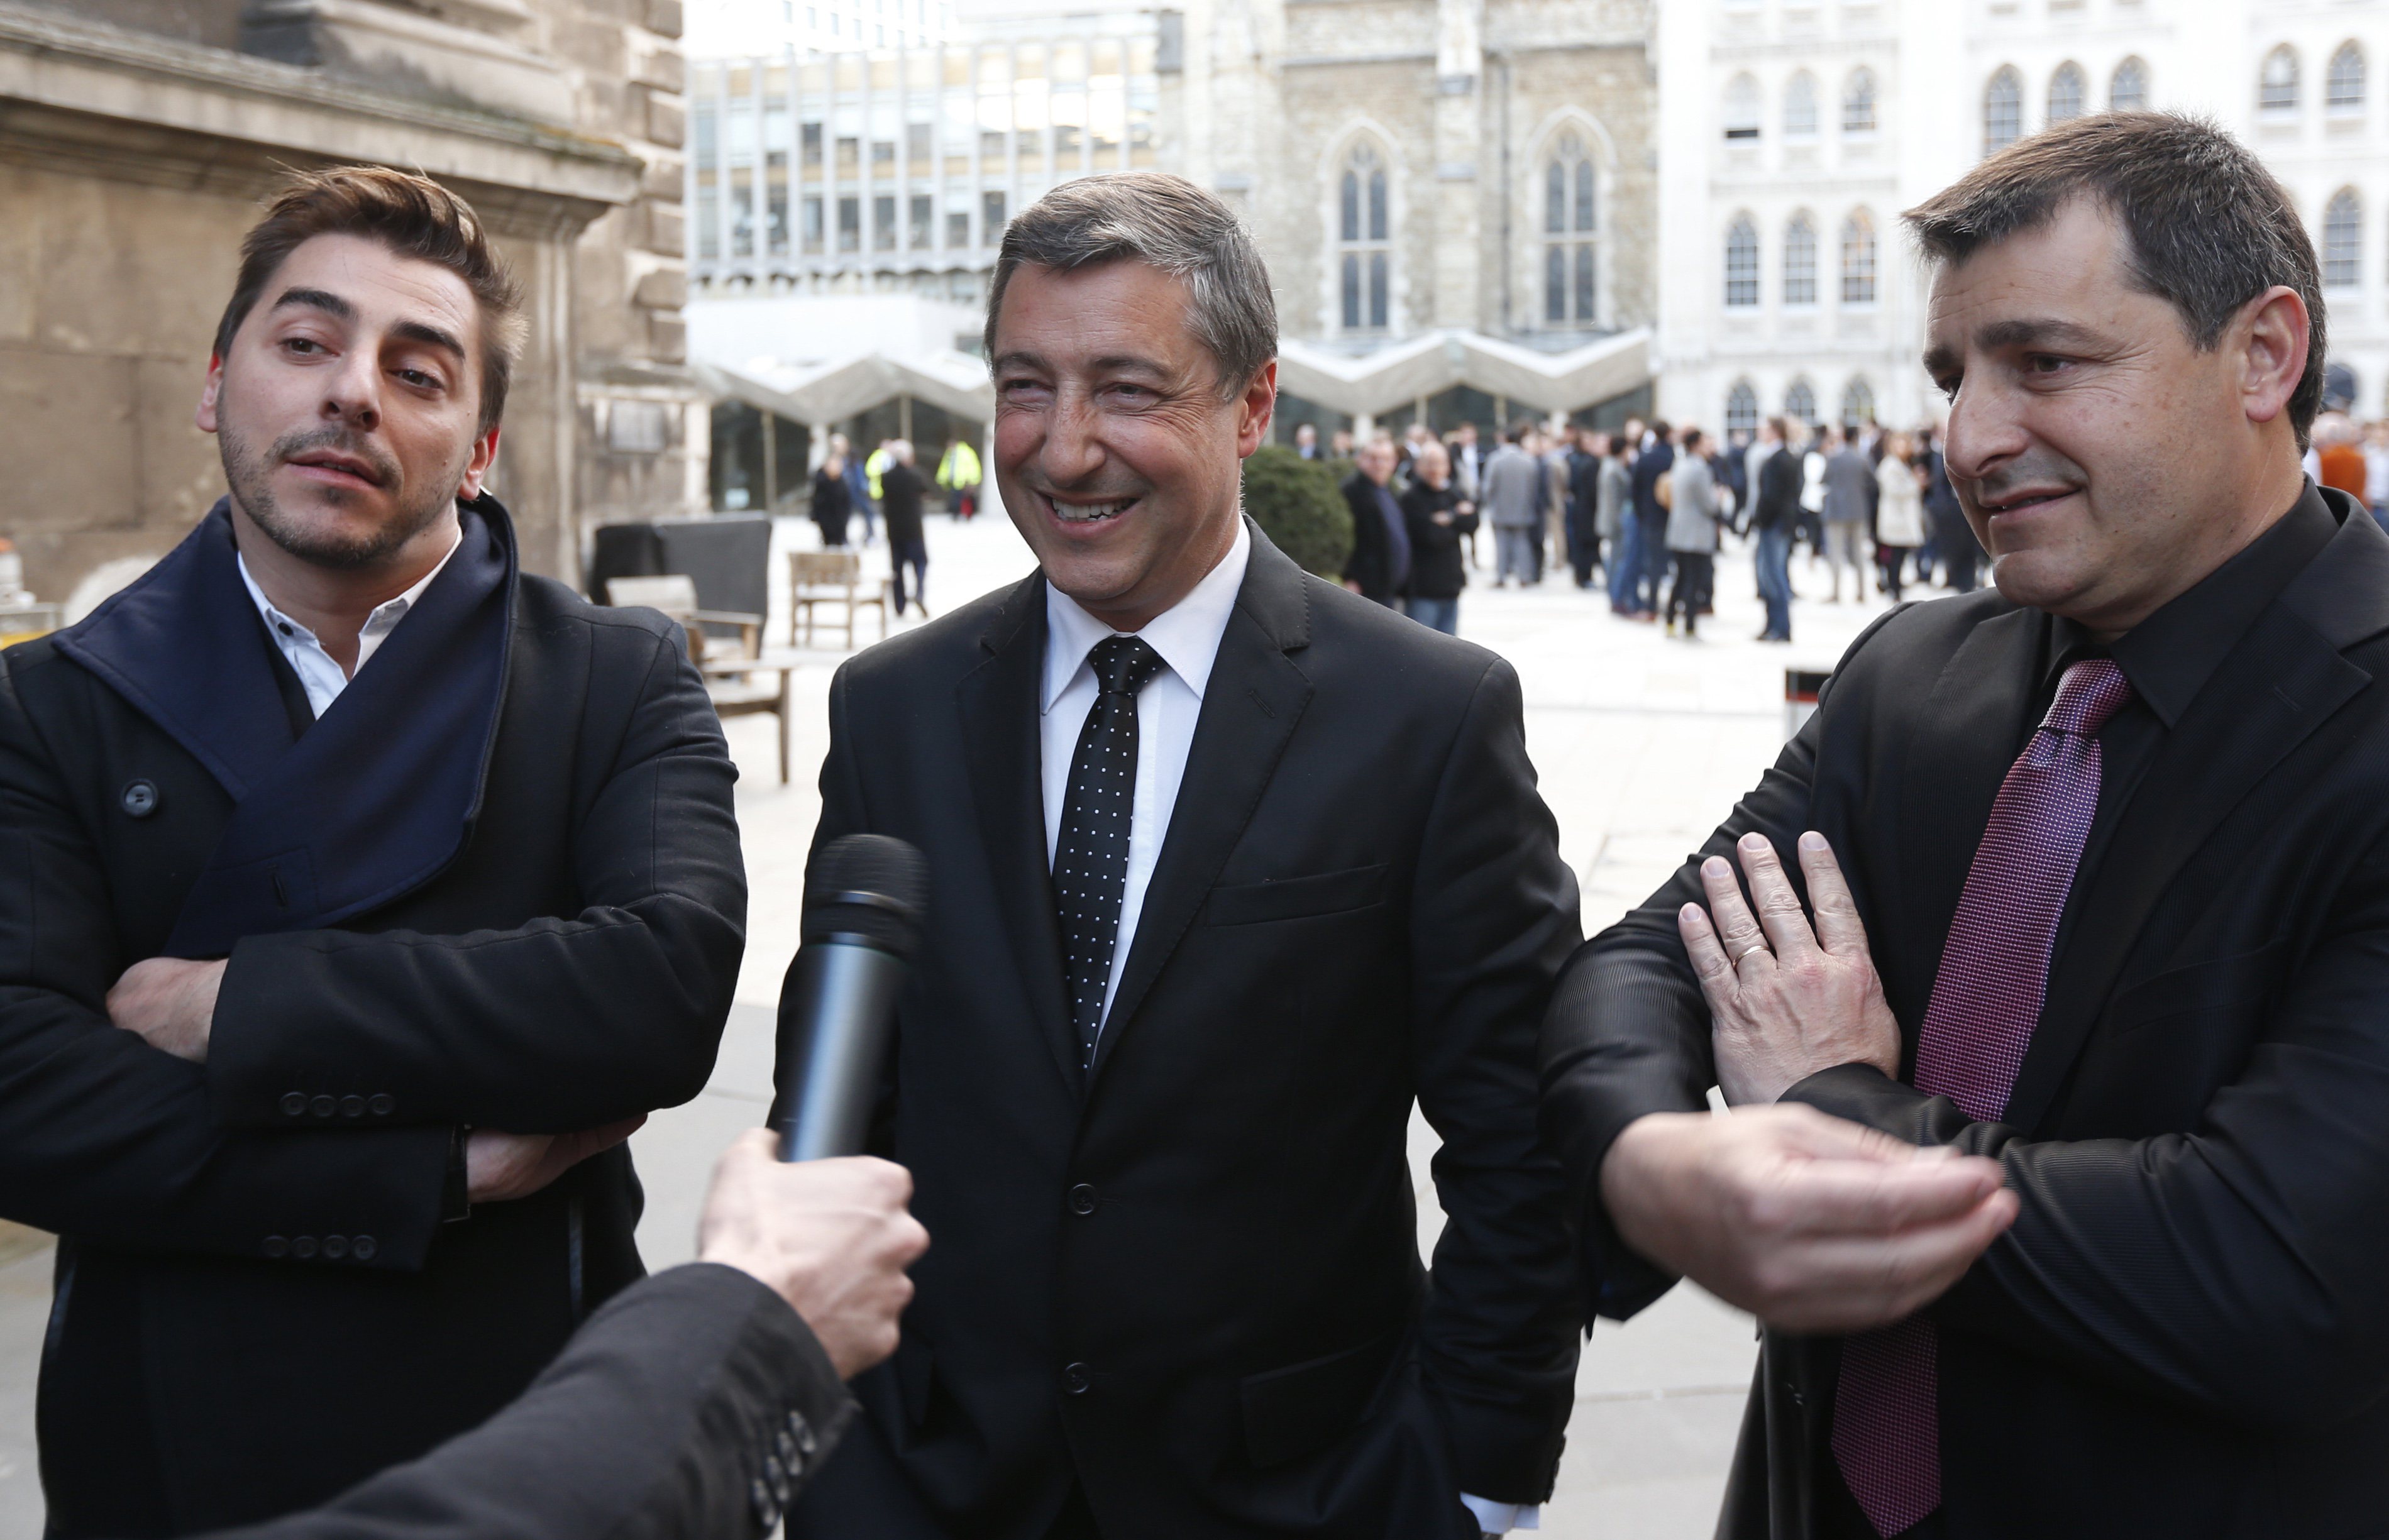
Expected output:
(1379, 567)
(2107, 935)
(1228, 866)
(1651, 518)
(336, 845)
(900, 497)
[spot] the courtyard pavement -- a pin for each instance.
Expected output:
(1643, 742)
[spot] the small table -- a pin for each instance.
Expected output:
(735, 694)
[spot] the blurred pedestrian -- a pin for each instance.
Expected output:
(1810, 525)
(1339, 444)
(1849, 486)
(1584, 462)
(900, 500)
(959, 473)
(1438, 518)
(1379, 567)
(832, 505)
(1651, 518)
(1774, 513)
(1961, 554)
(1467, 462)
(2340, 456)
(1691, 533)
(1616, 512)
(1306, 440)
(2376, 469)
(1512, 486)
(1899, 512)
(858, 485)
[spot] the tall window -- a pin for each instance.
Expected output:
(2066, 92)
(2277, 83)
(1363, 231)
(2003, 110)
(1858, 103)
(1742, 109)
(2343, 240)
(2129, 90)
(1800, 402)
(1800, 262)
(1857, 402)
(1858, 260)
(1569, 222)
(1742, 408)
(2343, 87)
(1800, 107)
(1740, 264)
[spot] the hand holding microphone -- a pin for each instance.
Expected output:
(864, 895)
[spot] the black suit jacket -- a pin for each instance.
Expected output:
(1372, 562)
(691, 1407)
(1193, 1283)
(1777, 505)
(214, 1358)
(2182, 1335)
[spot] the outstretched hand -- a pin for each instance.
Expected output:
(1785, 1000)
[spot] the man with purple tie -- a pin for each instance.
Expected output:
(2055, 1157)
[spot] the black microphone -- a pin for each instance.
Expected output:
(864, 895)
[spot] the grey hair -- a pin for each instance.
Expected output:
(1165, 221)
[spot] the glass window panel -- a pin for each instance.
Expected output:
(1800, 262)
(2277, 89)
(742, 217)
(849, 223)
(812, 226)
(1800, 402)
(991, 217)
(1351, 206)
(1069, 123)
(1556, 283)
(2129, 90)
(958, 232)
(708, 131)
(1555, 198)
(923, 221)
(1376, 205)
(1584, 286)
(1378, 287)
(2002, 111)
(920, 143)
(740, 132)
(1352, 290)
(2065, 93)
(778, 228)
(1741, 264)
(709, 217)
(1800, 106)
(883, 223)
(2342, 241)
(1584, 205)
(1857, 262)
(1742, 409)
(2345, 90)
(812, 144)
(1742, 108)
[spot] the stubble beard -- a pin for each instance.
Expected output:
(249, 475)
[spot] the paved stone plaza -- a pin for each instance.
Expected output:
(1642, 742)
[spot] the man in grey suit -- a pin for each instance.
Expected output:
(1848, 481)
(1512, 506)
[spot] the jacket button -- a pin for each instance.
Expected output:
(806, 1443)
(1082, 1199)
(362, 1247)
(1077, 1379)
(294, 1103)
(353, 1106)
(277, 1247)
(334, 1247)
(767, 1512)
(323, 1106)
(381, 1105)
(303, 1247)
(139, 797)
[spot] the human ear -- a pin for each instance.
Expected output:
(485, 449)
(2272, 338)
(1255, 410)
(206, 416)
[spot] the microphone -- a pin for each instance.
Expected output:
(863, 899)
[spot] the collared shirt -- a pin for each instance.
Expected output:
(2168, 659)
(1187, 635)
(321, 676)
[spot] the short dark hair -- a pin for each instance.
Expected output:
(2210, 227)
(1691, 437)
(1659, 425)
(411, 215)
(1165, 221)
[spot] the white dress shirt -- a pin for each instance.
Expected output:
(324, 677)
(1187, 637)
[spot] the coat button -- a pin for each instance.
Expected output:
(1077, 1379)
(303, 1247)
(353, 1106)
(277, 1247)
(362, 1247)
(334, 1247)
(381, 1105)
(294, 1103)
(767, 1512)
(323, 1106)
(1082, 1199)
(139, 798)
(806, 1442)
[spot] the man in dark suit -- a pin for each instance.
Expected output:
(1228, 867)
(2069, 1221)
(1379, 567)
(335, 845)
(1775, 511)
(1652, 461)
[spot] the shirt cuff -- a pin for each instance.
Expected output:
(1494, 1517)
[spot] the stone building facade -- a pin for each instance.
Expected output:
(136, 139)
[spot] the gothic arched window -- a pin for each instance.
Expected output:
(1857, 102)
(1570, 223)
(1800, 107)
(2129, 90)
(1363, 240)
(1742, 408)
(2066, 93)
(1740, 264)
(1800, 402)
(2277, 83)
(1800, 262)
(1858, 260)
(2343, 240)
(2343, 85)
(2003, 110)
(1857, 402)
(1742, 109)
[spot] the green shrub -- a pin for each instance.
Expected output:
(1299, 505)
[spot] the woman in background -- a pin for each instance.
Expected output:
(1899, 515)
(831, 504)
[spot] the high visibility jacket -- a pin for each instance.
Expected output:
(880, 460)
(960, 467)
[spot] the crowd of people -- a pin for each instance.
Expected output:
(887, 483)
(1643, 512)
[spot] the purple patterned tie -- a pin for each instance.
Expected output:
(1985, 1001)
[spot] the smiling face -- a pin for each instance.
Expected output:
(347, 406)
(1118, 457)
(2107, 463)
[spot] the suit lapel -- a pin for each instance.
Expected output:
(999, 702)
(1255, 697)
(2283, 680)
(1963, 741)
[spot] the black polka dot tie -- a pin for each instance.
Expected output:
(1090, 856)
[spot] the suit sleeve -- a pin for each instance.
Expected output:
(1493, 915)
(691, 1407)
(1627, 1033)
(106, 1139)
(2231, 1269)
(559, 1024)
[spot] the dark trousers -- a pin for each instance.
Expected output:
(1895, 562)
(1774, 557)
(1653, 533)
(1625, 565)
(914, 552)
(1689, 594)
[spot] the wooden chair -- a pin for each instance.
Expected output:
(817, 578)
(738, 679)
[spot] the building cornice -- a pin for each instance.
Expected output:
(131, 107)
